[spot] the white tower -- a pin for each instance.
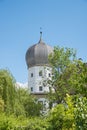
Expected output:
(39, 70)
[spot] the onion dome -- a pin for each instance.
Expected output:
(37, 54)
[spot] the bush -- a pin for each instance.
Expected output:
(22, 123)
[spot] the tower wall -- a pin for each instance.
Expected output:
(37, 77)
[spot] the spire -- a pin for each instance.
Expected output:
(40, 41)
(40, 33)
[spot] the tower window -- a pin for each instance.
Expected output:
(40, 88)
(31, 74)
(40, 73)
(49, 75)
(31, 89)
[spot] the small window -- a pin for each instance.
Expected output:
(49, 75)
(40, 88)
(31, 74)
(40, 73)
(31, 89)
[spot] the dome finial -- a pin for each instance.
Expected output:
(40, 33)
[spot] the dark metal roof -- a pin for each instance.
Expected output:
(38, 54)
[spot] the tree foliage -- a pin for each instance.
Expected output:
(69, 74)
(26, 104)
(7, 90)
(81, 113)
(1, 105)
(62, 116)
(16, 100)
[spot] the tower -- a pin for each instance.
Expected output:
(39, 70)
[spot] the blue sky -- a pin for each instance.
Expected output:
(63, 22)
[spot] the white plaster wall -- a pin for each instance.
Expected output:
(37, 80)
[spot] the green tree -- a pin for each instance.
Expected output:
(61, 116)
(26, 104)
(69, 75)
(60, 60)
(74, 78)
(1, 105)
(81, 113)
(56, 117)
(78, 79)
(7, 90)
(69, 121)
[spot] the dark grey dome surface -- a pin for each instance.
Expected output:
(38, 54)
